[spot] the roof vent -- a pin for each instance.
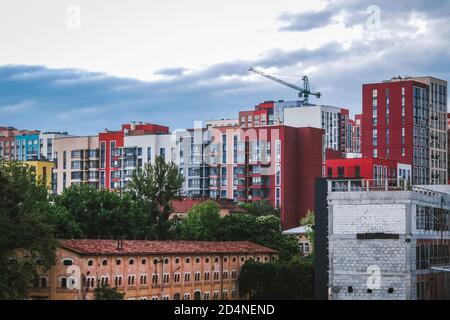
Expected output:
(119, 244)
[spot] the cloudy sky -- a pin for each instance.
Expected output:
(82, 65)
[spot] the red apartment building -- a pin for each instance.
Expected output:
(110, 146)
(276, 163)
(395, 124)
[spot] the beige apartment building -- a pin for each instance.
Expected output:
(76, 161)
(149, 270)
(438, 128)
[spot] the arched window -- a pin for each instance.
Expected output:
(176, 296)
(197, 295)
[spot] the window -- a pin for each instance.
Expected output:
(144, 261)
(186, 296)
(278, 150)
(225, 275)
(118, 262)
(197, 276)
(176, 277)
(143, 279)
(90, 262)
(118, 281)
(131, 280)
(166, 278)
(340, 172)
(197, 260)
(216, 295)
(155, 278)
(357, 171)
(216, 275)
(233, 274)
(206, 275)
(105, 262)
(187, 276)
(206, 296)
(67, 262)
(63, 281)
(225, 295)
(188, 260)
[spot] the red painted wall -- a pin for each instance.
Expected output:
(365, 164)
(395, 123)
(108, 137)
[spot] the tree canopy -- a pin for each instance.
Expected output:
(26, 229)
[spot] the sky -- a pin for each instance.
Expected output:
(83, 66)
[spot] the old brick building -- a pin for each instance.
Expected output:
(148, 270)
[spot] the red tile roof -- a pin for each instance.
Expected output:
(142, 247)
(186, 204)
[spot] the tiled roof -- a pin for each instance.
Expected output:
(141, 247)
(186, 204)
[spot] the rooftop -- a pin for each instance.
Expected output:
(144, 247)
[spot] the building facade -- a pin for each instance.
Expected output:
(43, 171)
(112, 156)
(356, 134)
(389, 244)
(437, 89)
(375, 170)
(397, 124)
(27, 147)
(148, 270)
(76, 161)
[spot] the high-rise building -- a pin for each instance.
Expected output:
(76, 161)
(437, 96)
(111, 146)
(333, 120)
(396, 125)
(356, 135)
(46, 140)
(27, 146)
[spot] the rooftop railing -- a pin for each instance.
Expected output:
(364, 185)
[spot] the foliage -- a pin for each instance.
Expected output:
(291, 279)
(202, 222)
(26, 230)
(260, 208)
(309, 221)
(105, 292)
(83, 211)
(152, 188)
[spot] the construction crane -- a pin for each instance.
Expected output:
(304, 92)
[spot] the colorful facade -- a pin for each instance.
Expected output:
(396, 124)
(43, 171)
(27, 147)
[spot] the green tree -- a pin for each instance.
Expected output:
(202, 222)
(105, 292)
(292, 279)
(260, 208)
(309, 221)
(27, 242)
(83, 211)
(263, 230)
(152, 188)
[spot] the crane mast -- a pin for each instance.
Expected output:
(304, 92)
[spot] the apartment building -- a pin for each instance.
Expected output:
(111, 144)
(43, 171)
(46, 140)
(142, 149)
(356, 134)
(397, 124)
(148, 270)
(76, 161)
(27, 146)
(388, 245)
(335, 121)
(437, 92)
